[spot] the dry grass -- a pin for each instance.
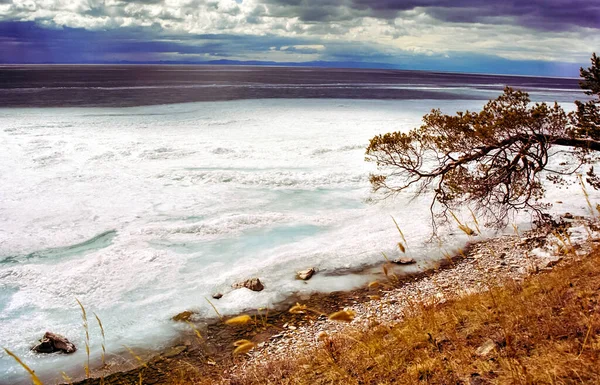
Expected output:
(103, 339)
(87, 338)
(543, 331)
(34, 378)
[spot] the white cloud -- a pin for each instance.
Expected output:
(414, 30)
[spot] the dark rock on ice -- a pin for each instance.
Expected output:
(52, 343)
(404, 261)
(306, 274)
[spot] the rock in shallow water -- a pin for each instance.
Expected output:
(253, 284)
(52, 343)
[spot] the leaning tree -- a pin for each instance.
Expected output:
(491, 161)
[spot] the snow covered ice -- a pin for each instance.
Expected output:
(141, 213)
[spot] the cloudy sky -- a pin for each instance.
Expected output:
(551, 37)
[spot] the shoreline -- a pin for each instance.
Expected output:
(218, 338)
(279, 334)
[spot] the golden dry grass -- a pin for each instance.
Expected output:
(543, 331)
(239, 320)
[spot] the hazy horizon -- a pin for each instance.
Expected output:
(315, 65)
(142, 84)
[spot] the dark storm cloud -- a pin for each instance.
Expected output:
(326, 31)
(538, 14)
(26, 42)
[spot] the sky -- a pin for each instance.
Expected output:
(543, 37)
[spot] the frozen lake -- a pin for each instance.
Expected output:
(142, 212)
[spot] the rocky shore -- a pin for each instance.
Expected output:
(483, 264)
(277, 335)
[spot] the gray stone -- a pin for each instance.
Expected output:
(404, 261)
(485, 349)
(253, 284)
(217, 296)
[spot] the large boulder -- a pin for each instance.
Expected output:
(253, 284)
(52, 343)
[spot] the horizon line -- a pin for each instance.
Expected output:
(259, 63)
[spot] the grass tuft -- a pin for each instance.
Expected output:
(103, 339)
(244, 348)
(34, 377)
(241, 342)
(196, 331)
(298, 309)
(239, 320)
(343, 316)
(214, 308)
(587, 196)
(87, 338)
(463, 226)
